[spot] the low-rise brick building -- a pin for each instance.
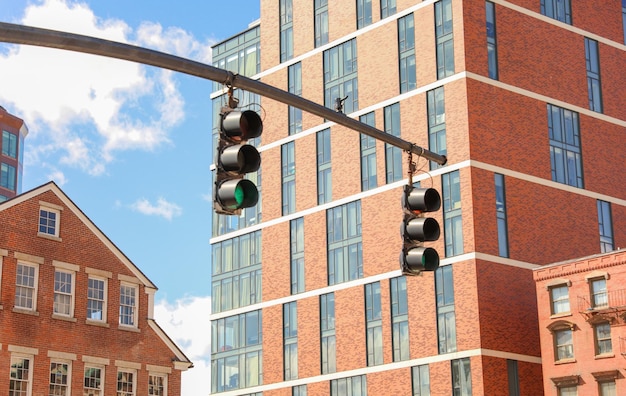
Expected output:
(582, 318)
(76, 315)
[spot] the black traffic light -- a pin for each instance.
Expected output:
(416, 229)
(235, 158)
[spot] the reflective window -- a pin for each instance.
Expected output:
(324, 169)
(363, 13)
(565, 152)
(368, 155)
(406, 51)
(393, 154)
(288, 161)
(444, 38)
(345, 248)
(327, 333)
(399, 319)
(561, 10)
(340, 76)
(605, 223)
(592, 61)
(453, 222)
(373, 318)
(321, 22)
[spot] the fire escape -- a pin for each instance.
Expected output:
(609, 306)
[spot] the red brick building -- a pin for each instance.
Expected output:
(582, 317)
(76, 315)
(526, 100)
(13, 132)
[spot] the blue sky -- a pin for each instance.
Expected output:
(129, 144)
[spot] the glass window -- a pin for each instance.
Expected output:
(63, 293)
(559, 298)
(599, 295)
(363, 13)
(605, 223)
(594, 87)
(297, 255)
(503, 238)
(492, 48)
(603, 338)
(351, 386)
(624, 18)
(125, 382)
(446, 319)
(345, 249)
(393, 154)
(157, 385)
(406, 51)
(290, 340)
(93, 381)
(96, 299)
(21, 375)
(368, 155)
(7, 176)
(607, 388)
(26, 286)
(461, 377)
(436, 123)
(421, 380)
(324, 169)
(288, 161)
(565, 152)
(444, 39)
(568, 391)
(387, 8)
(327, 333)
(299, 390)
(294, 77)
(49, 221)
(128, 305)
(399, 319)
(564, 344)
(373, 318)
(286, 30)
(453, 223)
(513, 376)
(340, 76)
(9, 144)
(321, 22)
(561, 10)
(59, 378)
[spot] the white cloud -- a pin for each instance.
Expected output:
(162, 208)
(82, 108)
(187, 322)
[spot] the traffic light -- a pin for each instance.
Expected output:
(416, 229)
(235, 158)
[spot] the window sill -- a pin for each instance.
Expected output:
(48, 236)
(98, 323)
(560, 315)
(129, 328)
(25, 311)
(64, 318)
(565, 361)
(605, 356)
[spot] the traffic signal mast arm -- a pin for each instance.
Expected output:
(18, 34)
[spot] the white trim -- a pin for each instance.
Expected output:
(61, 355)
(105, 301)
(135, 306)
(127, 364)
(72, 275)
(99, 366)
(23, 350)
(95, 360)
(66, 266)
(32, 309)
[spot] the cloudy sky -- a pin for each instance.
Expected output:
(128, 143)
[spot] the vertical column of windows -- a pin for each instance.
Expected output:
(436, 109)
(368, 155)
(374, 324)
(324, 169)
(399, 319)
(327, 333)
(446, 319)
(452, 215)
(345, 248)
(605, 224)
(444, 38)
(363, 13)
(503, 239)
(236, 272)
(406, 52)
(294, 77)
(340, 76)
(288, 174)
(594, 87)
(492, 48)
(565, 152)
(290, 340)
(393, 154)
(297, 255)
(321, 22)
(286, 30)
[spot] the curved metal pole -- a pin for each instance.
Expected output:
(18, 34)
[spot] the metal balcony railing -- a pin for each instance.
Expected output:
(610, 300)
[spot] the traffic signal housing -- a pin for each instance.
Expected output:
(236, 158)
(417, 229)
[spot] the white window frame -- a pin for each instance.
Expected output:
(29, 381)
(72, 293)
(161, 375)
(102, 377)
(135, 306)
(68, 384)
(51, 208)
(35, 287)
(134, 381)
(104, 301)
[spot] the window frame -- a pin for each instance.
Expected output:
(288, 177)
(104, 301)
(135, 306)
(564, 350)
(29, 380)
(133, 383)
(367, 146)
(34, 288)
(71, 294)
(9, 144)
(44, 221)
(164, 377)
(68, 381)
(554, 301)
(595, 294)
(7, 176)
(101, 377)
(420, 380)
(603, 343)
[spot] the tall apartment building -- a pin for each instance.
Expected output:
(582, 312)
(526, 100)
(76, 315)
(11, 154)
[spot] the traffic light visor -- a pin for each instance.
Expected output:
(241, 125)
(237, 194)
